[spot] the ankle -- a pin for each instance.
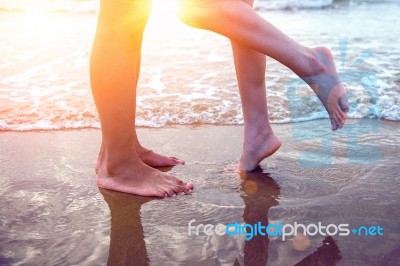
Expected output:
(321, 60)
(112, 163)
(316, 62)
(254, 137)
(261, 129)
(140, 150)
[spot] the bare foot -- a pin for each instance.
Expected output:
(154, 159)
(134, 177)
(257, 150)
(150, 158)
(326, 84)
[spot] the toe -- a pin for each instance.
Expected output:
(180, 186)
(178, 161)
(160, 194)
(344, 104)
(185, 189)
(333, 124)
(178, 190)
(337, 117)
(341, 116)
(169, 192)
(183, 184)
(189, 186)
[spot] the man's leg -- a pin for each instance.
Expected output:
(154, 159)
(259, 139)
(150, 157)
(115, 62)
(238, 21)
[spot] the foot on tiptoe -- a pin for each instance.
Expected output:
(256, 150)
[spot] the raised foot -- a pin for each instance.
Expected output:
(325, 82)
(260, 148)
(135, 177)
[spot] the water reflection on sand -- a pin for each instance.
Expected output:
(53, 214)
(260, 193)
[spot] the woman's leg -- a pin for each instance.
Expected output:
(238, 21)
(115, 63)
(259, 139)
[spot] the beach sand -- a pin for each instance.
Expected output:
(54, 214)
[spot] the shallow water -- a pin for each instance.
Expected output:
(53, 213)
(188, 75)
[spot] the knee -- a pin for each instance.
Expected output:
(195, 12)
(187, 11)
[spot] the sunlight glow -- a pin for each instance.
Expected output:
(37, 18)
(165, 9)
(163, 18)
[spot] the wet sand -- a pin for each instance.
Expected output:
(54, 214)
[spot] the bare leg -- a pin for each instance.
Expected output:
(114, 67)
(260, 194)
(154, 159)
(150, 157)
(259, 141)
(126, 220)
(238, 21)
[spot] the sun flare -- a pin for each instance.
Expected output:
(163, 18)
(165, 8)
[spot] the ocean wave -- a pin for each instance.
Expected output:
(92, 6)
(291, 4)
(187, 76)
(84, 120)
(69, 6)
